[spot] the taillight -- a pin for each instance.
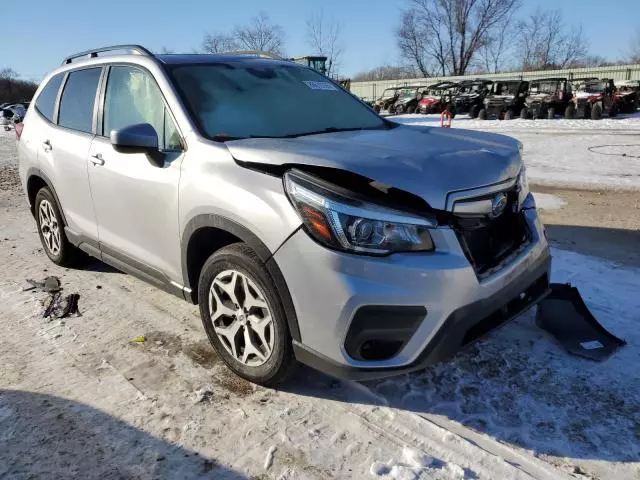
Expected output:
(595, 98)
(18, 127)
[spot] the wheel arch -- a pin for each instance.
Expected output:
(36, 179)
(204, 234)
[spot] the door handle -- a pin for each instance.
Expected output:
(46, 146)
(97, 159)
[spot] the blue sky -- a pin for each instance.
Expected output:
(38, 34)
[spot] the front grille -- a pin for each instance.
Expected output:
(489, 243)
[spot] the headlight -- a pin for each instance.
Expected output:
(523, 185)
(338, 220)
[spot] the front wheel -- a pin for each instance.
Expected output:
(570, 111)
(596, 112)
(508, 115)
(51, 229)
(524, 113)
(482, 114)
(411, 110)
(243, 316)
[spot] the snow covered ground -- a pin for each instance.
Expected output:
(596, 153)
(81, 398)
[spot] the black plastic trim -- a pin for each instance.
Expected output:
(36, 172)
(449, 338)
(263, 252)
(384, 324)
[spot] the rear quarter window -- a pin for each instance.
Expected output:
(47, 99)
(78, 99)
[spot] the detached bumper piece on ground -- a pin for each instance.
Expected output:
(564, 314)
(56, 306)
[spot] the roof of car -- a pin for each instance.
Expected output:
(173, 59)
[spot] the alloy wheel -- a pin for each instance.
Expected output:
(49, 227)
(241, 318)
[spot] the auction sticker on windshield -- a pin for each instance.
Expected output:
(320, 85)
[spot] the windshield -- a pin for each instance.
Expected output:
(592, 87)
(251, 99)
(408, 92)
(505, 88)
(544, 87)
(388, 93)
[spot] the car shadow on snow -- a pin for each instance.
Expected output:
(44, 436)
(516, 385)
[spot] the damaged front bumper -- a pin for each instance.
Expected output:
(372, 317)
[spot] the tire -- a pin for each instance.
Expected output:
(613, 112)
(524, 114)
(570, 111)
(551, 113)
(473, 113)
(542, 113)
(508, 115)
(411, 110)
(596, 112)
(273, 357)
(51, 230)
(482, 114)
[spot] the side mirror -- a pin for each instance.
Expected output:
(138, 138)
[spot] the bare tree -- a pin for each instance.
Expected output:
(413, 42)
(499, 46)
(261, 35)
(325, 37)
(8, 74)
(545, 42)
(634, 56)
(218, 43)
(454, 31)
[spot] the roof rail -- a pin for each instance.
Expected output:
(138, 49)
(256, 53)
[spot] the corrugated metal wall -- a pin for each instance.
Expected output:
(372, 90)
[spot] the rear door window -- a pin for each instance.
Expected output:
(46, 101)
(78, 98)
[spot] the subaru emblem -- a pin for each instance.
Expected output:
(498, 205)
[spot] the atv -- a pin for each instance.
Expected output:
(470, 96)
(628, 95)
(505, 100)
(593, 98)
(388, 98)
(438, 97)
(408, 98)
(547, 97)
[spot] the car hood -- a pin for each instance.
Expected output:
(426, 161)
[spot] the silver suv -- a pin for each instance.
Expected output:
(303, 224)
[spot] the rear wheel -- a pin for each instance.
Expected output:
(596, 112)
(570, 111)
(613, 112)
(51, 229)
(473, 113)
(482, 114)
(411, 109)
(508, 115)
(524, 113)
(243, 316)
